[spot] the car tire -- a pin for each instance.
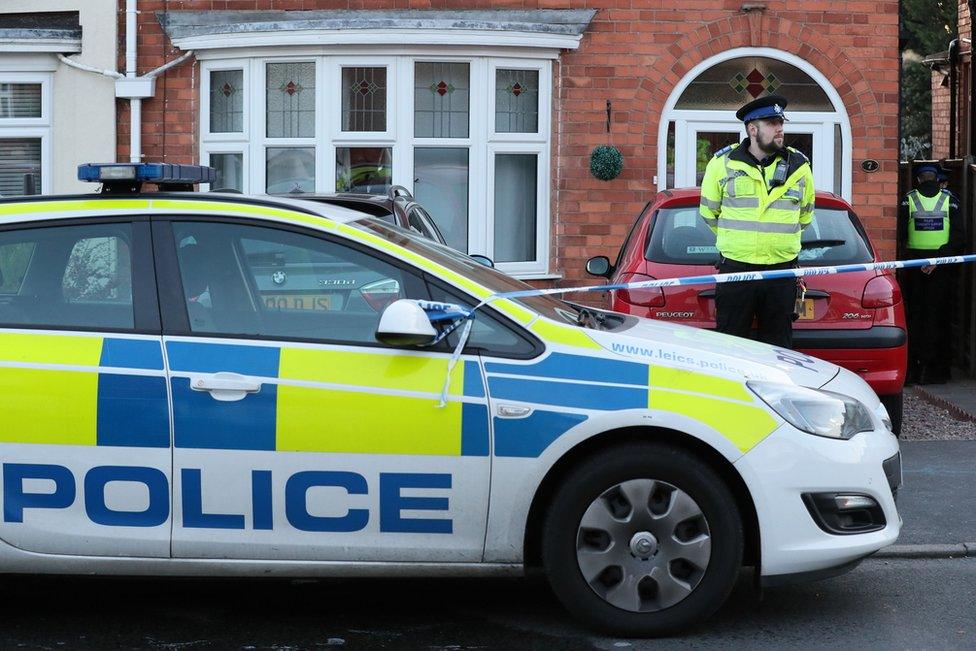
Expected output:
(689, 509)
(894, 403)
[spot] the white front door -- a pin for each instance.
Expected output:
(697, 138)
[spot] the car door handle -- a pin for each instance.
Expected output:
(225, 386)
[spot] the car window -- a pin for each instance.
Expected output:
(430, 224)
(416, 221)
(680, 236)
(460, 263)
(630, 236)
(73, 277)
(264, 282)
(487, 332)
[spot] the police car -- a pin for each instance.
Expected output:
(164, 416)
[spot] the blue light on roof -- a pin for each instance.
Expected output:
(159, 173)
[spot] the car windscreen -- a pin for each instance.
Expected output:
(468, 267)
(680, 236)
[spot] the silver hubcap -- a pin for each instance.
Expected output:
(643, 545)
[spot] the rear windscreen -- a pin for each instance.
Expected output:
(680, 236)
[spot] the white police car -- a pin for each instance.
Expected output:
(165, 413)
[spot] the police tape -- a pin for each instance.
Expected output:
(466, 316)
(741, 276)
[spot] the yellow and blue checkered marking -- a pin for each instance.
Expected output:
(91, 407)
(323, 400)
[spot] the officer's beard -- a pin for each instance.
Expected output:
(768, 147)
(929, 188)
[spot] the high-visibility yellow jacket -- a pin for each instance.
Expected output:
(754, 223)
(928, 220)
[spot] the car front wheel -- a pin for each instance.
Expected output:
(642, 540)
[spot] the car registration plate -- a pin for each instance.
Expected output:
(297, 301)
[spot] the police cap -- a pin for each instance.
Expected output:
(927, 168)
(771, 106)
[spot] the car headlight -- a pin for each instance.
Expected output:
(823, 413)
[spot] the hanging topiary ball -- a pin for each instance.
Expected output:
(606, 162)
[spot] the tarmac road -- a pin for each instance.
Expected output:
(938, 499)
(882, 604)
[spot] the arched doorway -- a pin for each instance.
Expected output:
(699, 116)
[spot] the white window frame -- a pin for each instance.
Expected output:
(40, 128)
(482, 141)
(242, 136)
(829, 119)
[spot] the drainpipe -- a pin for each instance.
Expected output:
(953, 62)
(130, 86)
(135, 103)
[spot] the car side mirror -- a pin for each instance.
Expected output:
(599, 266)
(404, 323)
(483, 259)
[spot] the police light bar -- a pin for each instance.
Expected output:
(131, 176)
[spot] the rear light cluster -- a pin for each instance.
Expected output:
(650, 297)
(881, 291)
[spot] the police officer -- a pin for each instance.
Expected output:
(757, 196)
(929, 226)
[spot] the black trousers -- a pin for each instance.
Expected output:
(928, 307)
(771, 302)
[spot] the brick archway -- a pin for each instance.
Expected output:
(779, 33)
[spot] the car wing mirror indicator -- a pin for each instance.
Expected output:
(408, 322)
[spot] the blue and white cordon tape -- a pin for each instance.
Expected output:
(442, 311)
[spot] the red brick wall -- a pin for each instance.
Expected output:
(634, 53)
(941, 101)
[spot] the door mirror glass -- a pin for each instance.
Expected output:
(483, 259)
(599, 266)
(404, 323)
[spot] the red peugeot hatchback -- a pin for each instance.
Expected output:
(855, 320)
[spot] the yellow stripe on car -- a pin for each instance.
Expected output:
(30, 415)
(313, 419)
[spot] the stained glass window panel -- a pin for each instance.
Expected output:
(290, 89)
(290, 169)
(441, 186)
(515, 207)
(442, 96)
(364, 99)
(730, 84)
(230, 171)
(364, 169)
(227, 101)
(516, 101)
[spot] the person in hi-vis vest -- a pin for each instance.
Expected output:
(929, 226)
(757, 197)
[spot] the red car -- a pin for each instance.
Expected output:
(855, 320)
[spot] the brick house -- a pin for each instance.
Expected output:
(950, 139)
(488, 111)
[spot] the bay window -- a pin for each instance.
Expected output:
(468, 135)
